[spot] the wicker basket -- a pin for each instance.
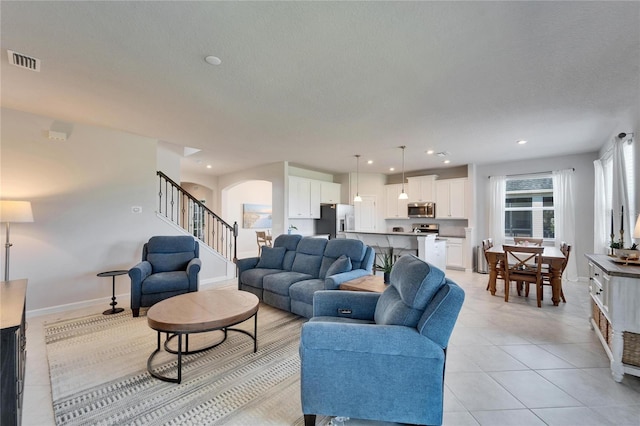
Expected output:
(631, 349)
(603, 323)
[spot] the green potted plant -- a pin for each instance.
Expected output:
(384, 262)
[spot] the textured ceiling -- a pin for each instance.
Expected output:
(314, 83)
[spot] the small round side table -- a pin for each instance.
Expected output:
(113, 275)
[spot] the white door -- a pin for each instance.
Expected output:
(365, 213)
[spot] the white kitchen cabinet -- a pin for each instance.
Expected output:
(615, 317)
(421, 188)
(329, 192)
(395, 208)
(455, 253)
(451, 195)
(304, 198)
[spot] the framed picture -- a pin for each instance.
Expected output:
(256, 216)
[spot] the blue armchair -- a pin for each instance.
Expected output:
(381, 356)
(169, 267)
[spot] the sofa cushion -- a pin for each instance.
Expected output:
(254, 277)
(304, 290)
(309, 256)
(170, 253)
(271, 257)
(163, 282)
(167, 262)
(340, 265)
(288, 241)
(413, 284)
(353, 249)
(279, 283)
(307, 264)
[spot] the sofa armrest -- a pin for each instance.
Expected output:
(139, 272)
(193, 268)
(333, 282)
(247, 263)
(374, 339)
(346, 304)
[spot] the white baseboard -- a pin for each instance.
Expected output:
(124, 299)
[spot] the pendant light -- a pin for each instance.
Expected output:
(403, 195)
(357, 198)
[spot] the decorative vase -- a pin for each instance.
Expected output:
(386, 277)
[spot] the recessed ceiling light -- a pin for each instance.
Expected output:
(521, 142)
(391, 169)
(430, 152)
(209, 166)
(446, 161)
(213, 60)
(370, 162)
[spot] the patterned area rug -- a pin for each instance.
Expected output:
(99, 377)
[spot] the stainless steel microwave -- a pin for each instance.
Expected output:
(421, 209)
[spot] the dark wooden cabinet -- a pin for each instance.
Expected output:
(13, 354)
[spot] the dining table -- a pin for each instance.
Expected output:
(551, 256)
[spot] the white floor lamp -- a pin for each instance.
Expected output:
(13, 211)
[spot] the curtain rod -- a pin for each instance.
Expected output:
(534, 173)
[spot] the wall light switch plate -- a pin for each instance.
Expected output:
(136, 209)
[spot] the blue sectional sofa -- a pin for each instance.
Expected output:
(289, 273)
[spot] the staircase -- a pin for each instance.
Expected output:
(182, 209)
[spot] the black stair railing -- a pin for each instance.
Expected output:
(186, 211)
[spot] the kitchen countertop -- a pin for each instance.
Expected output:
(406, 234)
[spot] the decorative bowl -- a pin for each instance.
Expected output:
(627, 254)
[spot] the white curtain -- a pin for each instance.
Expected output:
(565, 216)
(601, 219)
(497, 193)
(620, 193)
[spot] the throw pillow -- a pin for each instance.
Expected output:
(271, 257)
(340, 265)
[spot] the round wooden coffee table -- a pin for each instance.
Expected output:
(200, 312)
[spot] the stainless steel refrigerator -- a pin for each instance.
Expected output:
(335, 218)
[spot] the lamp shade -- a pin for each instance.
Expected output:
(15, 211)
(636, 232)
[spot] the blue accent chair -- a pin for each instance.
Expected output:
(381, 356)
(169, 267)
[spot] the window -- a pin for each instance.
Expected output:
(529, 208)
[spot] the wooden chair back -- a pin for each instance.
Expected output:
(523, 264)
(527, 241)
(262, 240)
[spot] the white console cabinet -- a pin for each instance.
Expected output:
(615, 312)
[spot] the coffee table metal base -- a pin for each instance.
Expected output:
(180, 352)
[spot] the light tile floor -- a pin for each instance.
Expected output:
(508, 364)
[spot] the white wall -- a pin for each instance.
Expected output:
(276, 173)
(583, 187)
(82, 191)
(251, 192)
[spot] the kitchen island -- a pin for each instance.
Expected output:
(427, 246)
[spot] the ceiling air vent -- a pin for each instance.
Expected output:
(23, 61)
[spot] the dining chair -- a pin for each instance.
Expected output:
(527, 241)
(523, 264)
(486, 245)
(263, 240)
(546, 274)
